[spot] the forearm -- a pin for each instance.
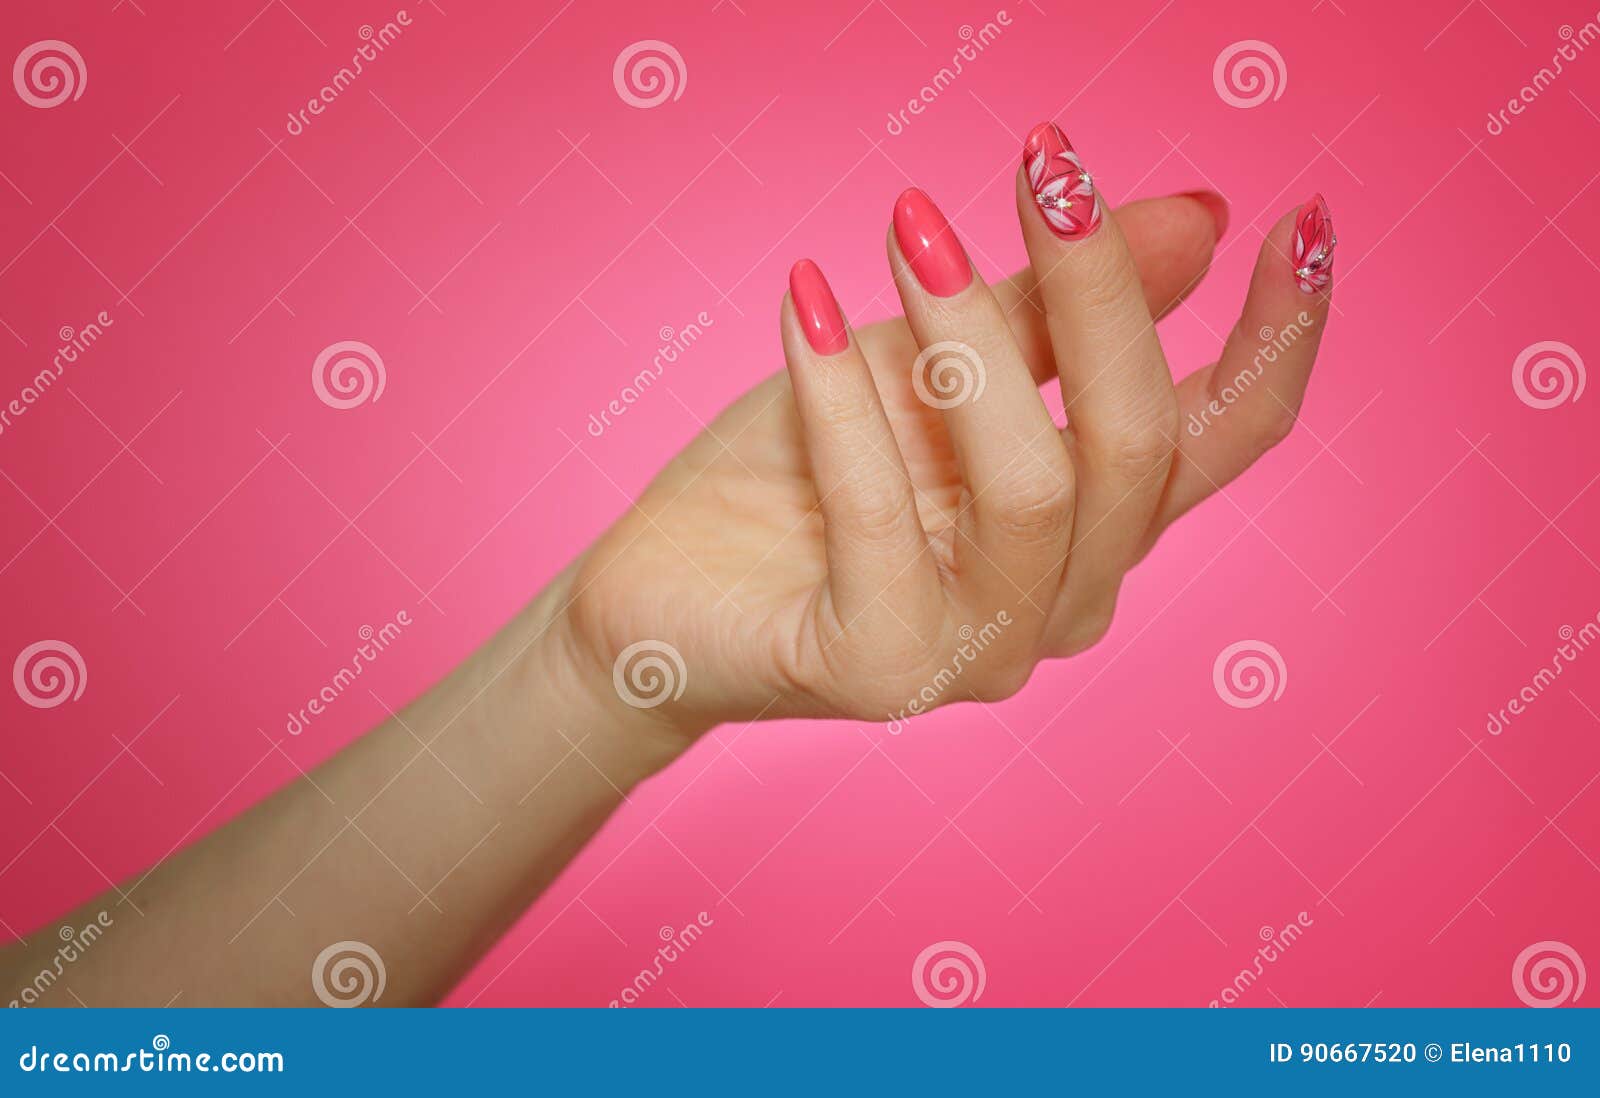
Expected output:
(423, 840)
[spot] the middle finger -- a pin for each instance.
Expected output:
(1115, 383)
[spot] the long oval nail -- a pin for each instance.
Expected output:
(1062, 189)
(930, 245)
(817, 309)
(1313, 246)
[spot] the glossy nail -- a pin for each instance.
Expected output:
(1313, 246)
(930, 245)
(817, 309)
(1063, 190)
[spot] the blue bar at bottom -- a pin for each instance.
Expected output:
(959, 1052)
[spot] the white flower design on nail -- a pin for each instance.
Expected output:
(1062, 188)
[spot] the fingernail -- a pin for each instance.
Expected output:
(819, 314)
(1064, 191)
(1215, 205)
(930, 245)
(1313, 246)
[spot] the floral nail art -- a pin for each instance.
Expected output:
(1313, 246)
(1064, 191)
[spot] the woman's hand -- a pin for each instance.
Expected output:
(873, 534)
(897, 523)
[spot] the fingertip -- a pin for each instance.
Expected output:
(803, 269)
(1216, 206)
(929, 244)
(817, 309)
(1038, 137)
(1172, 240)
(1296, 259)
(1312, 248)
(1061, 190)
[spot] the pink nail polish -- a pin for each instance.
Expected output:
(1215, 205)
(814, 303)
(1064, 191)
(1313, 246)
(930, 245)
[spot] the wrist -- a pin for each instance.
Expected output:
(564, 684)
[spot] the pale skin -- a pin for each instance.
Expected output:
(815, 553)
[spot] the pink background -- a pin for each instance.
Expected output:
(1412, 552)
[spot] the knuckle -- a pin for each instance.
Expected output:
(1002, 682)
(1146, 439)
(1039, 509)
(1274, 427)
(1147, 447)
(897, 698)
(1089, 627)
(877, 515)
(878, 704)
(1096, 627)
